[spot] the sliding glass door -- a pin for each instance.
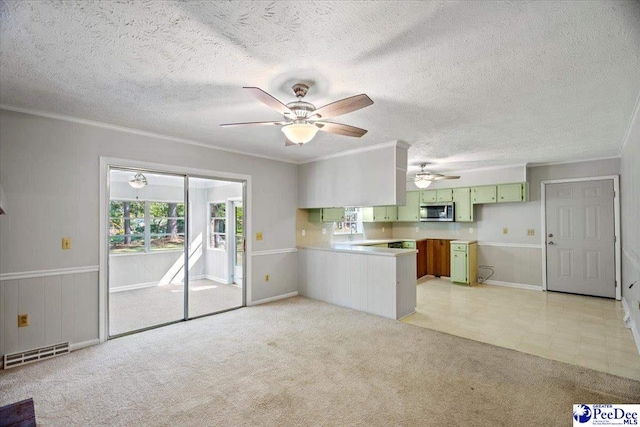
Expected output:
(154, 277)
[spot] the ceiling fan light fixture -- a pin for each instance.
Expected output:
(421, 182)
(138, 181)
(300, 133)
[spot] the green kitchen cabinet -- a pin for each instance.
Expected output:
(428, 196)
(326, 215)
(483, 194)
(464, 262)
(463, 207)
(408, 244)
(512, 192)
(444, 195)
(411, 211)
(380, 214)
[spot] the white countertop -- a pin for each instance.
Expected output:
(354, 247)
(463, 242)
(373, 242)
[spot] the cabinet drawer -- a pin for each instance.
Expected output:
(408, 245)
(458, 247)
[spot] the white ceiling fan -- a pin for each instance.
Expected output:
(423, 179)
(302, 120)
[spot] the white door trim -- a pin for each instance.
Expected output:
(616, 224)
(105, 163)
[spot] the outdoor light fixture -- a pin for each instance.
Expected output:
(300, 133)
(138, 181)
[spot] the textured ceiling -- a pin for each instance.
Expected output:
(469, 84)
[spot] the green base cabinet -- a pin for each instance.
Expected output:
(326, 215)
(411, 211)
(463, 207)
(464, 262)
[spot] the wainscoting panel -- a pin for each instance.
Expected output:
(511, 263)
(61, 307)
(282, 268)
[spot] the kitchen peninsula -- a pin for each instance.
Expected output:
(360, 275)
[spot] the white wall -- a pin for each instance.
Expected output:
(49, 170)
(372, 177)
(630, 212)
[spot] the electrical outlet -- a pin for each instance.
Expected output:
(505, 230)
(304, 233)
(266, 277)
(417, 229)
(470, 230)
(324, 231)
(66, 243)
(531, 232)
(23, 320)
(383, 229)
(259, 236)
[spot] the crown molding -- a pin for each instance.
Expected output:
(136, 132)
(535, 165)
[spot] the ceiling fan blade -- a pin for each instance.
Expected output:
(340, 129)
(343, 106)
(253, 124)
(269, 100)
(448, 177)
(289, 143)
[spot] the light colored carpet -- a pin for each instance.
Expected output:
(140, 308)
(300, 362)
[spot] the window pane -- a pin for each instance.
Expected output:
(158, 209)
(220, 241)
(126, 244)
(218, 210)
(219, 226)
(167, 243)
(133, 209)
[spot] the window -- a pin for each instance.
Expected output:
(139, 227)
(218, 225)
(352, 223)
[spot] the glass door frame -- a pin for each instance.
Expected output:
(187, 214)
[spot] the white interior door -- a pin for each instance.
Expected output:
(580, 237)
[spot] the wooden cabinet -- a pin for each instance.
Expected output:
(462, 204)
(380, 214)
(484, 194)
(428, 196)
(512, 192)
(326, 215)
(464, 264)
(444, 195)
(411, 211)
(421, 258)
(438, 257)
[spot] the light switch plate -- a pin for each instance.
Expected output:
(66, 243)
(324, 231)
(505, 230)
(258, 236)
(531, 232)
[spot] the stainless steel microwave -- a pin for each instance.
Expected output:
(437, 212)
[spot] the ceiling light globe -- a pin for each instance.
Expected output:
(421, 183)
(300, 133)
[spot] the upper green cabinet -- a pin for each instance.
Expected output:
(326, 215)
(444, 195)
(462, 203)
(380, 214)
(411, 211)
(428, 196)
(512, 192)
(484, 194)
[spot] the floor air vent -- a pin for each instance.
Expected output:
(29, 356)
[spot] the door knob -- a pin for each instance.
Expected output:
(550, 235)
(551, 243)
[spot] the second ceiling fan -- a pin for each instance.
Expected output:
(302, 120)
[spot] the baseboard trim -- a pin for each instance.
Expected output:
(513, 285)
(83, 344)
(45, 273)
(274, 252)
(634, 328)
(276, 298)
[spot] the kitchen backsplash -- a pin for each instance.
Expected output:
(434, 230)
(313, 231)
